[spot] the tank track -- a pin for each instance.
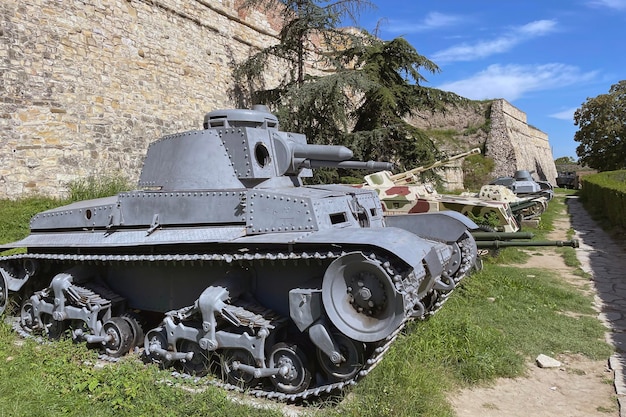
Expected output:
(311, 393)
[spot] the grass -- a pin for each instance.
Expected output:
(495, 323)
(60, 379)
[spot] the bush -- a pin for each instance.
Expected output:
(477, 171)
(604, 194)
(97, 187)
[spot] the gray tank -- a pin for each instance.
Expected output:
(224, 263)
(523, 185)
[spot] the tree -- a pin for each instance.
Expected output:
(602, 130)
(362, 102)
(564, 160)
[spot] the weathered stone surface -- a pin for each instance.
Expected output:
(545, 361)
(509, 140)
(85, 87)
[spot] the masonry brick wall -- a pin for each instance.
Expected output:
(516, 145)
(86, 85)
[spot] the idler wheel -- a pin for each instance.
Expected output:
(199, 363)
(294, 376)
(236, 377)
(360, 298)
(352, 351)
(4, 292)
(121, 337)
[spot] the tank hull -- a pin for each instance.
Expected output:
(224, 260)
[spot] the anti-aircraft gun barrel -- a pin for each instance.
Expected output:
(494, 244)
(384, 178)
(409, 175)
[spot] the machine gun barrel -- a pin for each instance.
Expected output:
(481, 236)
(491, 244)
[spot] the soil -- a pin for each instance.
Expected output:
(579, 388)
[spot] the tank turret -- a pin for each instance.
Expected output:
(223, 259)
(523, 185)
(404, 194)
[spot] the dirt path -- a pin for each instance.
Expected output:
(579, 388)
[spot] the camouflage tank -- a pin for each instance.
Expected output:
(404, 194)
(223, 262)
(523, 207)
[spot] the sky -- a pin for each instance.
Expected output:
(546, 57)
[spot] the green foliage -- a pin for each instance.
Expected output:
(97, 187)
(362, 102)
(489, 220)
(604, 194)
(477, 171)
(16, 215)
(484, 127)
(602, 130)
(564, 160)
(60, 379)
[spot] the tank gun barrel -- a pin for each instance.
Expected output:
(367, 165)
(408, 176)
(501, 235)
(322, 152)
(332, 156)
(491, 244)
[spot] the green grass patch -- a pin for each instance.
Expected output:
(97, 187)
(60, 379)
(15, 216)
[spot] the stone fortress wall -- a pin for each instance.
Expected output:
(511, 142)
(85, 86)
(514, 144)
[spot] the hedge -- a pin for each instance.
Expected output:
(605, 194)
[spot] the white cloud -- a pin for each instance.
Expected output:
(611, 4)
(506, 42)
(565, 114)
(434, 20)
(513, 81)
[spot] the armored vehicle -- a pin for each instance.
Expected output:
(404, 193)
(524, 207)
(567, 179)
(224, 262)
(523, 185)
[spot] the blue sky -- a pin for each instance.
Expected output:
(545, 57)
